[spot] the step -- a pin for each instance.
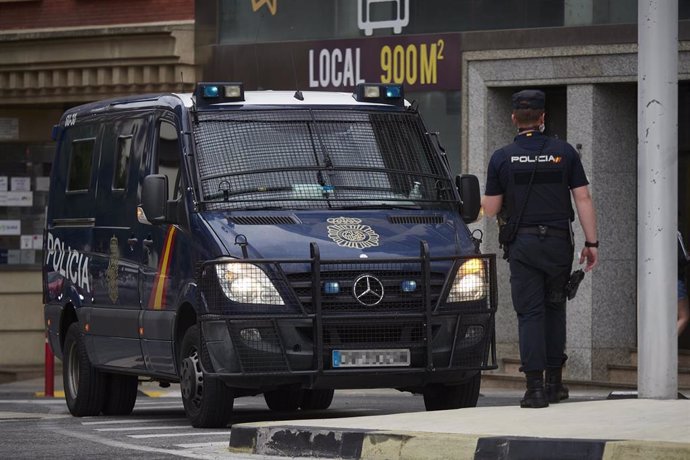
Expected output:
(627, 374)
(683, 357)
(511, 366)
(493, 379)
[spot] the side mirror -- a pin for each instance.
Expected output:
(154, 198)
(470, 197)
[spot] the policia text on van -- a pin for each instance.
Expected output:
(262, 242)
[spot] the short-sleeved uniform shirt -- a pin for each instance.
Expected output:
(553, 166)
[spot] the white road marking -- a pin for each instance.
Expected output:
(119, 422)
(32, 401)
(145, 428)
(124, 445)
(170, 435)
(203, 444)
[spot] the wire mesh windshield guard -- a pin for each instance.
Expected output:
(251, 159)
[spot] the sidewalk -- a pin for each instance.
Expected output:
(611, 429)
(619, 429)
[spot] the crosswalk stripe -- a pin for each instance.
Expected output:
(145, 428)
(134, 420)
(170, 435)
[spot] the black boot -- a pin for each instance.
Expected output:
(535, 397)
(554, 388)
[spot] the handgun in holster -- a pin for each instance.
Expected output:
(576, 278)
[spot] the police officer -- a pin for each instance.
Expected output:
(529, 182)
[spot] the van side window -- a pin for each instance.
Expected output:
(80, 162)
(169, 157)
(122, 156)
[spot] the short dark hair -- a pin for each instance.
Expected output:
(527, 116)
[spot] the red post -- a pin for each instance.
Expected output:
(49, 386)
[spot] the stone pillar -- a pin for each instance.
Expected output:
(601, 319)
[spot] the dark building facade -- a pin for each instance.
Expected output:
(54, 55)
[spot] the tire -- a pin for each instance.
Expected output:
(283, 399)
(207, 401)
(84, 384)
(121, 394)
(319, 399)
(443, 397)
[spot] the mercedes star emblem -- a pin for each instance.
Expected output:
(368, 290)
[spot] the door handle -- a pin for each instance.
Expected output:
(132, 241)
(148, 242)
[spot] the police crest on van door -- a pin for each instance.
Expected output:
(111, 272)
(347, 232)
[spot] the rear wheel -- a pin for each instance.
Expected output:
(207, 401)
(318, 399)
(84, 384)
(121, 394)
(284, 399)
(442, 397)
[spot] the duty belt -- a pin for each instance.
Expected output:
(543, 231)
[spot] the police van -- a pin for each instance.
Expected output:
(262, 242)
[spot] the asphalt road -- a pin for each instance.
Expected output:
(157, 428)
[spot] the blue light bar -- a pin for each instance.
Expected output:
(207, 93)
(380, 92)
(331, 287)
(211, 91)
(408, 286)
(393, 91)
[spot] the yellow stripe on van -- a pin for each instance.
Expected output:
(158, 294)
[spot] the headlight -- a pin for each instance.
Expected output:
(246, 283)
(469, 283)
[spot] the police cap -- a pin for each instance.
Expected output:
(529, 99)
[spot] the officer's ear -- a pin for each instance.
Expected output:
(512, 118)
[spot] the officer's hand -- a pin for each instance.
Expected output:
(592, 257)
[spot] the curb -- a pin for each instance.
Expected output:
(294, 441)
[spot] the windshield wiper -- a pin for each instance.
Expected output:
(381, 206)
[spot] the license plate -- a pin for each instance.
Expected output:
(371, 358)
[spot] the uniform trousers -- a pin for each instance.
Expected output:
(539, 271)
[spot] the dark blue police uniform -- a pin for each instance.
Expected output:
(535, 174)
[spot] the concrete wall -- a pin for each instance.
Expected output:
(22, 334)
(602, 117)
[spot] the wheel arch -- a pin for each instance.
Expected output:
(186, 317)
(69, 316)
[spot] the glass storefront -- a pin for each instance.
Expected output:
(262, 21)
(24, 183)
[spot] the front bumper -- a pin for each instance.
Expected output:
(263, 349)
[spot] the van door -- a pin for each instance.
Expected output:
(159, 269)
(115, 320)
(70, 221)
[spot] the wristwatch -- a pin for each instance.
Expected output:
(592, 245)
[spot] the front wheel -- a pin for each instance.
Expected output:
(84, 384)
(207, 401)
(318, 399)
(443, 397)
(283, 399)
(121, 394)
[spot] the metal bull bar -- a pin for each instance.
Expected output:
(305, 305)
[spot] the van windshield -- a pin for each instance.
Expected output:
(344, 159)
